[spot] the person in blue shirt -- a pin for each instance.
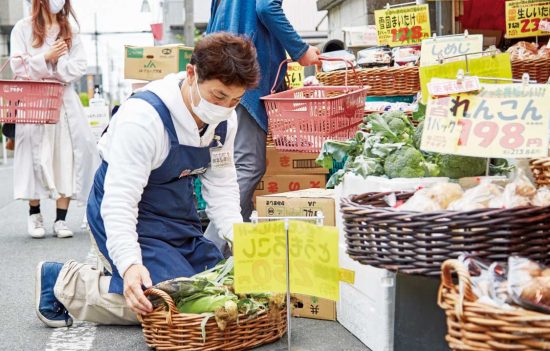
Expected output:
(265, 22)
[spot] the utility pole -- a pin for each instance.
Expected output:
(189, 26)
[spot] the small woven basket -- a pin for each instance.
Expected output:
(383, 81)
(541, 171)
(473, 326)
(538, 68)
(419, 242)
(171, 330)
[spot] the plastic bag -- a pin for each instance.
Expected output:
(476, 198)
(529, 284)
(329, 66)
(516, 194)
(542, 197)
(435, 198)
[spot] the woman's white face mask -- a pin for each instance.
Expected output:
(56, 6)
(208, 112)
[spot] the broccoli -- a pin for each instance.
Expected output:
(454, 166)
(407, 162)
(398, 122)
(417, 136)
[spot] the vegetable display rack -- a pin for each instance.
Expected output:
(167, 329)
(30, 101)
(302, 119)
(419, 242)
(474, 326)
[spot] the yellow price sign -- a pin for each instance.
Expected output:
(497, 66)
(403, 26)
(295, 75)
(260, 259)
(523, 18)
(501, 121)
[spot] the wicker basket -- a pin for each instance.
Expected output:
(170, 330)
(383, 81)
(474, 326)
(541, 171)
(419, 242)
(538, 68)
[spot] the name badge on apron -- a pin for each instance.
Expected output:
(220, 158)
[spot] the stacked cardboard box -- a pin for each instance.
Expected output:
(303, 203)
(290, 171)
(155, 62)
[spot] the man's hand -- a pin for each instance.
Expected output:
(134, 277)
(311, 57)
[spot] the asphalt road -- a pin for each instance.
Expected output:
(20, 329)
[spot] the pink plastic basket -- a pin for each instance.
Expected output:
(302, 119)
(29, 101)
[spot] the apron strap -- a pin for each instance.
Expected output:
(221, 131)
(162, 110)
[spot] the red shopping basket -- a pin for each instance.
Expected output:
(29, 101)
(302, 119)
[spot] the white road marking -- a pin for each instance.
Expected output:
(79, 337)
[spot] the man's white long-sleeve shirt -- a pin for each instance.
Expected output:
(135, 144)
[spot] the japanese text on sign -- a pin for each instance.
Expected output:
(523, 18)
(440, 87)
(295, 75)
(260, 259)
(449, 46)
(402, 26)
(508, 121)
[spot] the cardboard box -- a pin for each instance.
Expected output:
(314, 308)
(299, 203)
(280, 162)
(275, 184)
(155, 62)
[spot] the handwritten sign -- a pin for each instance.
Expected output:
(260, 259)
(98, 119)
(440, 87)
(523, 18)
(402, 26)
(498, 66)
(501, 121)
(295, 75)
(449, 46)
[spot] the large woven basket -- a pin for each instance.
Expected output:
(383, 81)
(170, 330)
(538, 68)
(419, 242)
(474, 326)
(541, 171)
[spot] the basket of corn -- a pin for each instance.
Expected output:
(204, 313)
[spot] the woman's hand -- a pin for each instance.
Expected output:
(58, 49)
(134, 277)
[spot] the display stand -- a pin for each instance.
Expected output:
(319, 219)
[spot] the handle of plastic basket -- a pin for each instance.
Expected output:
(169, 301)
(14, 57)
(464, 284)
(348, 63)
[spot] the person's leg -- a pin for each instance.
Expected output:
(60, 227)
(84, 293)
(249, 159)
(35, 222)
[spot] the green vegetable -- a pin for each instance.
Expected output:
(365, 166)
(407, 162)
(417, 136)
(455, 167)
(209, 303)
(500, 166)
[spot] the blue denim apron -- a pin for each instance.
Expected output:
(169, 230)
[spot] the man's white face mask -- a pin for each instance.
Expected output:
(208, 112)
(56, 6)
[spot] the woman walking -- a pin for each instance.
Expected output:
(54, 160)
